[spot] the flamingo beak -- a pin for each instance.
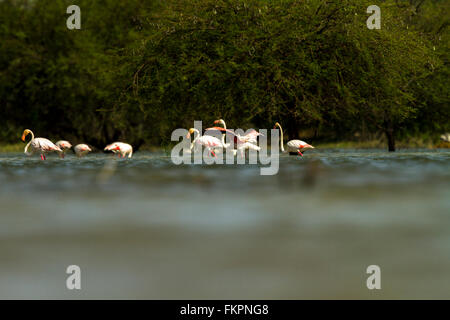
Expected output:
(24, 134)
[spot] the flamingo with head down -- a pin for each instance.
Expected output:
(81, 150)
(121, 148)
(64, 146)
(41, 145)
(294, 147)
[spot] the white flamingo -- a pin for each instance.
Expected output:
(242, 142)
(64, 146)
(121, 148)
(41, 145)
(209, 142)
(294, 147)
(81, 150)
(248, 137)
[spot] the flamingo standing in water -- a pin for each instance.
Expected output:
(121, 148)
(64, 146)
(248, 137)
(294, 147)
(242, 142)
(209, 142)
(81, 150)
(41, 145)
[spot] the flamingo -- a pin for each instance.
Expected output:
(41, 145)
(81, 150)
(121, 148)
(249, 137)
(242, 142)
(64, 146)
(209, 142)
(293, 146)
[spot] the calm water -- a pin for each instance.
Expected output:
(145, 228)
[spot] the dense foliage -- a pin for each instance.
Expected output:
(139, 69)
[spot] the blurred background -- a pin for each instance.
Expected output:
(136, 70)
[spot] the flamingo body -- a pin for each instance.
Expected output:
(121, 148)
(64, 146)
(293, 146)
(81, 150)
(209, 142)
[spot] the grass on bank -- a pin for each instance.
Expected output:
(12, 147)
(412, 142)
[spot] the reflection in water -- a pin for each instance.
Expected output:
(145, 228)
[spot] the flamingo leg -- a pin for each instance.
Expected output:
(301, 154)
(212, 152)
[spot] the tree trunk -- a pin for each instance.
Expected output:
(292, 128)
(391, 139)
(390, 133)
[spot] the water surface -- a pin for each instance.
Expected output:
(145, 228)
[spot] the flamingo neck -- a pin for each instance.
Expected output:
(281, 138)
(225, 145)
(196, 137)
(28, 144)
(224, 125)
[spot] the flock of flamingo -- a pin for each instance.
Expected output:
(44, 146)
(248, 141)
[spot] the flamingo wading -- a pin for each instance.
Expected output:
(248, 137)
(121, 148)
(294, 147)
(39, 145)
(81, 150)
(247, 141)
(209, 142)
(64, 146)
